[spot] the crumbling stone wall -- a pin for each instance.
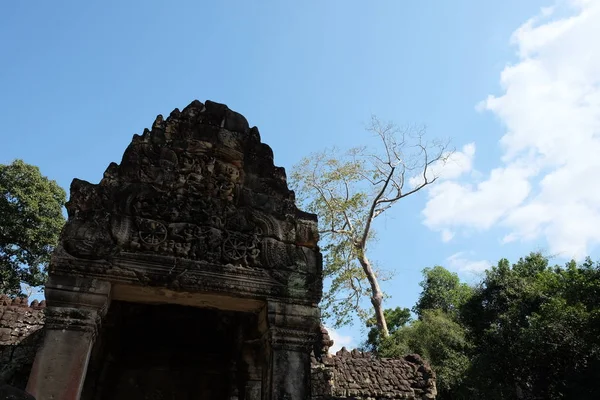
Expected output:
(344, 375)
(362, 376)
(358, 375)
(21, 334)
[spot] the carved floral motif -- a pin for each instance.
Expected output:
(191, 188)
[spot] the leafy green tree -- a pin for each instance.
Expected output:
(442, 290)
(536, 331)
(30, 222)
(562, 338)
(528, 331)
(496, 316)
(442, 342)
(349, 191)
(437, 335)
(396, 318)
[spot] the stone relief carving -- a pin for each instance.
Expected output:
(191, 188)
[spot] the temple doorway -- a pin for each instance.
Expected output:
(168, 352)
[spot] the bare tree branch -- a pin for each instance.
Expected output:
(350, 190)
(369, 219)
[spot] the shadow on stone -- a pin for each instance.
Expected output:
(11, 393)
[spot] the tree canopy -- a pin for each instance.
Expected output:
(526, 331)
(30, 222)
(349, 190)
(442, 290)
(396, 318)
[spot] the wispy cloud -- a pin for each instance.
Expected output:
(544, 186)
(462, 263)
(339, 340)
(454, 165)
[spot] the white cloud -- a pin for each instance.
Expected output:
(455, 165)
(339, 340)
(447, 235)
(545, 186)
(460, 263)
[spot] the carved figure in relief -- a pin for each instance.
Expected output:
(184, 194)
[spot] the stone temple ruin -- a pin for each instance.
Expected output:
(188, 272)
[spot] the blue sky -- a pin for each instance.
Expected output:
(78, 79)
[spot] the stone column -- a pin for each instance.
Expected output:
(75, 307)
(290, 336)
(252, 377)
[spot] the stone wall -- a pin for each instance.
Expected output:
(344, 375)
(358, 375)
(21, 333)
(362, 376)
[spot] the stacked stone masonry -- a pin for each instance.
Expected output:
(21, 333)
(344, 375)
(358, 375)
(362, 376)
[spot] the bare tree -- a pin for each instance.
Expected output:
(348, 191)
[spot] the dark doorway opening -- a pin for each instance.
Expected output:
(167, 352)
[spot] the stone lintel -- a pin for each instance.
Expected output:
(182, 275)
(158, 295)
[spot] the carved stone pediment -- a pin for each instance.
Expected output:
(200, 189)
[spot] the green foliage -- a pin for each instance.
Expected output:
(30, 222)
(526, 331)
(329, 185)
(396, 318)
(348, 191)
(436, 335)
(535, 331)
(442, 290)
(442, 342)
